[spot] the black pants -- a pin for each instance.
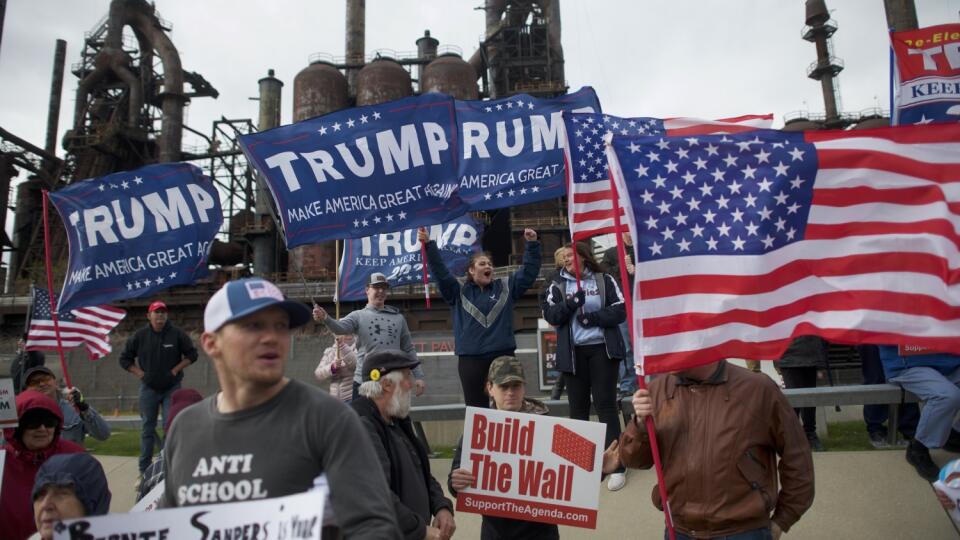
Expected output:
(875, 415)
(473, 372)
(596, 377)
(802, 377)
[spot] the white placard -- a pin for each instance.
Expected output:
(3, 459)
(150, 501)
(532, 467)
(292, 517)
(8, 404)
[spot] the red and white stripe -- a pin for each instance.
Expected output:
(91, 328)
(879, 262)
(590, 208)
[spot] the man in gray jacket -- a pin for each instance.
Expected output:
(79, 418)
(377, 327)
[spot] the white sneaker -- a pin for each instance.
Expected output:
(616, 481)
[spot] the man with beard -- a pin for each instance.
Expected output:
(383, 406)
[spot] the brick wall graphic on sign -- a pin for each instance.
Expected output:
(573, 448)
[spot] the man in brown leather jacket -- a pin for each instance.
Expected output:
(720, 429)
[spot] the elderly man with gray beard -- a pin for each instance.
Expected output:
(384, 406)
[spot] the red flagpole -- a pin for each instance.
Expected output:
(426, 278)
(641, 382)
(53, 304)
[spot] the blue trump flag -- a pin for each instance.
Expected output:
(135, 233)
(397, 255)
(362, 171)
(513, 148)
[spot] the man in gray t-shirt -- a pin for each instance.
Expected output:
(378, 327)
(264, 435)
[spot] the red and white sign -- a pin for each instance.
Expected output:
(532, 467)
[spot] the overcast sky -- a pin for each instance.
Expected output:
(700, 58)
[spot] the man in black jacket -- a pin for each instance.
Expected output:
(383, 406)
(157, 355)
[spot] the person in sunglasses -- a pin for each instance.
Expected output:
(35, 439)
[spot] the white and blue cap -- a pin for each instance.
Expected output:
(242, 297)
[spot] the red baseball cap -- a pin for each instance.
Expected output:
(155, 306)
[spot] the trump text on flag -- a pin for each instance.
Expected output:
(532, 467)
(927, 73)
(134, 233)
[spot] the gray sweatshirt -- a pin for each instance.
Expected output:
(376, 329)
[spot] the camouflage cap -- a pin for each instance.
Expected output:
(505, 369)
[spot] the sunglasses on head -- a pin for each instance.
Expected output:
(34, 422)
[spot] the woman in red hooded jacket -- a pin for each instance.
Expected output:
(33, 441)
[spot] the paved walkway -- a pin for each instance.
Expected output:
(860, 495)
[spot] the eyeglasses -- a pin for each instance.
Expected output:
(35, 422)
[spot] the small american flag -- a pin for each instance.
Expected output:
(588, 184)
(746, 241)
(89, 326)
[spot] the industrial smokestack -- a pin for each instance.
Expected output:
(56, 89)
(265, 239)
(355, 35)
(901, 15)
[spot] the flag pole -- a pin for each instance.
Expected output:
(641, 381)
(426, 278)
(336, 294)
(53, 304)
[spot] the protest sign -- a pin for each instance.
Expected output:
(8, 406)
(134, 233)
(926, 75)
(150, 501)
(292, 517)
(513, 148)
(397, 255)
(362, 171)
(532, 467)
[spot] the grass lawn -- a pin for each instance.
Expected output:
(844, 437)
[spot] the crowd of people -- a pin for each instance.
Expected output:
(726, 476)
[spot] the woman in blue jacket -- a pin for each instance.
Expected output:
(589, 344)
(482, 310)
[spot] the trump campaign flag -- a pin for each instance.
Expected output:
(513, 148)
(397, 255)
(926, 75)
(745, 241)
(590, 205)
(362, 171)
(135, 233)
(86, 326)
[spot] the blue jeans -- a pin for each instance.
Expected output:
(875, 416)
(628, 375)
(940, 395)
(150, 401)
(756, 534)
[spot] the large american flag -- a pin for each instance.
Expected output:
(590, 206)
(748, 240)
(88, 326)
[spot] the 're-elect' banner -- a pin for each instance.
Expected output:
(362, 171)
(134, 233)
(927, 75)
(294, 516)
(532, 467)
(397, 255)
(513, 148)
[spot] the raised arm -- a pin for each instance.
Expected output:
(446, 282)
(526, 276)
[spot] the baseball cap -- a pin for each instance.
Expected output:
(33, 371)
(180, 400)
(155, 306)
(242, 297)
(505, 369)
(380, 363)
(377, 279)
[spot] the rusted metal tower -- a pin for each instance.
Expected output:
(820, 28)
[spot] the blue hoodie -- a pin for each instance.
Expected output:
(84, 473)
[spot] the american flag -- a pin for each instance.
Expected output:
(89, 326)
(588, 186)
(746, 241)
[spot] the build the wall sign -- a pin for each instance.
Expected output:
(532, 467)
